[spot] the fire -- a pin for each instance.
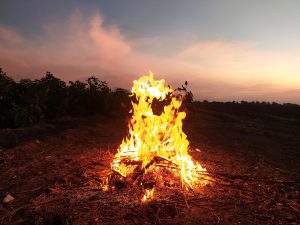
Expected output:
(156, 142)
(148, 195)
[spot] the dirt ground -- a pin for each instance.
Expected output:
(254, 162)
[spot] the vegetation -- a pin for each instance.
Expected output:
(48, 99)
(287, 110)
(28, 101)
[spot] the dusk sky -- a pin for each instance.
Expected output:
(227, 50)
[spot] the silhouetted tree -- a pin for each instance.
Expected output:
(98, 96)
(53, 96)
(28, 101)
(7, 100)
(120, 99)
(77, 94)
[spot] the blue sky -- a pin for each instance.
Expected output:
(274, 23)
(230, 50)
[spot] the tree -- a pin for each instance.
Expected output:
(98, 96)
(7, 100)
(77, 92)
(53, 96)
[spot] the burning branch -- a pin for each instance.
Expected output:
(156, 146)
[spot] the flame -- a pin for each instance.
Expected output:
(153, 137)
(148, 195)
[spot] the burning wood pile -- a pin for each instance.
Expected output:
(155, 153)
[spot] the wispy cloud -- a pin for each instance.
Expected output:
(217, 69)
(9, 36)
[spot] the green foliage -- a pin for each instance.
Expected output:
(29, 102)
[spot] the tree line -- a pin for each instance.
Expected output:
(28, 102)
(48, 99)
(288, 110)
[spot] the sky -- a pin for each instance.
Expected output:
(227, 50)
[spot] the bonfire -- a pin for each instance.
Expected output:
(155, 152)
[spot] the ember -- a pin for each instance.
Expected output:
(155, 153)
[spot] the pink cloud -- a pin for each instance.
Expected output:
(84, 46)
(245, 65)
(9, 36)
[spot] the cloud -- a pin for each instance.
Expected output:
(9, 36)
(245, 70)
(241, 62)
(85, 45)
(71, 50)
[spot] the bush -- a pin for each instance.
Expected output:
(28, 101)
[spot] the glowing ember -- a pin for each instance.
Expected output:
(156, 144)
(148, 195)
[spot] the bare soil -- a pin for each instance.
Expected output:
(254, 162)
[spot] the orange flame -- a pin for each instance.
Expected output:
(148, 195)
(152, 135)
